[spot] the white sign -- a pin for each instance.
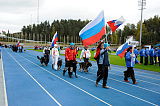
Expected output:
(134, 43)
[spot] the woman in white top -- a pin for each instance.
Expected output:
(85, 54)
(55, 55)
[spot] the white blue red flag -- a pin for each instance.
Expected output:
(114, 24)
(123, 48)
(18, 44)
(55, 39)
(94, 30)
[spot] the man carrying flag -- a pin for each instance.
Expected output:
(127, 50)
(55, 56)
(54, 52)
(94, 30)
(130, 59)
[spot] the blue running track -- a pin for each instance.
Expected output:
(30, 84)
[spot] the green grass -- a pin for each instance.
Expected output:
(116, 60)
(36, 50)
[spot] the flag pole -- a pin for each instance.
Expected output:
(107, 35)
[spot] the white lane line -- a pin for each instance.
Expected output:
(36, 81)
(137, 74)
(137, 79)
(141, 71)
(121, 92)
(126, 83)
(4, 82)
(133, 85)
(69, 83)
(101, 84)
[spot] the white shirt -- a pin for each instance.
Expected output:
(55, 52)
(44, 50)
(85, 54)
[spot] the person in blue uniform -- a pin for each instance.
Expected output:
(158, 52)
(136, 52)
(151, 55)
(142, 53)
(146, 54)
(130, 60)
(155, 55)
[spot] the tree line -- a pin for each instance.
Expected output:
(150, 32)
(68, 31)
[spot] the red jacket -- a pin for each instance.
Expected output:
(98, 50)
(70, 54)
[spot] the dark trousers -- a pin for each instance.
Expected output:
(69, 64)
(46, 58)
(99, 69)
(151, 60)
(155, 59)
(159, 60)
(86, 60)
(146, 60)
(104, 75)
(129, 73)
(141, 59)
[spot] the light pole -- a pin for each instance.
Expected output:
(141, 3)
(38, 13)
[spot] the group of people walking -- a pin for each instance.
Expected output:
(16, 48)
(102, 58)
(103, 63)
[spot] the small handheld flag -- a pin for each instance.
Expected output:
(55, 39)
(94, 30)
(18, 44)
(114, 24)
(123, 48)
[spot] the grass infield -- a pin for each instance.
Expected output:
(116, 60)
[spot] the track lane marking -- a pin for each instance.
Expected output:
(36, 81)
(94, 82)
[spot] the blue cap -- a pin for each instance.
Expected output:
(71, 44)
(106, 45)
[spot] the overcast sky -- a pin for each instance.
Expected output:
(14, 14)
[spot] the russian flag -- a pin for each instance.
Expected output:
(18, 44)
(123, 48)
(114, 24)
(94, 30)
(55, 39)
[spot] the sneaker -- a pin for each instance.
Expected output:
(38, 57)
(70, 76)
(96, 83)
(135, 82)
(76, 76)
(126, 81)
(52, 66)
(105, 87)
